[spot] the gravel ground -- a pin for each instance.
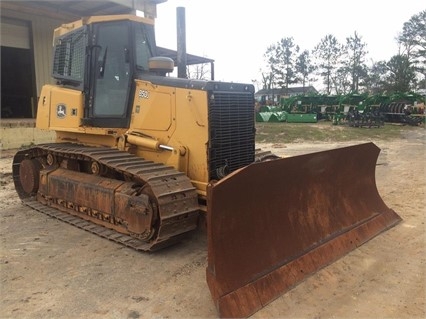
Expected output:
(49, 269)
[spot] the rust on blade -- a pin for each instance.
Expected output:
(272, 224)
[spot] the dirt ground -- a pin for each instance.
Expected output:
(49, 269)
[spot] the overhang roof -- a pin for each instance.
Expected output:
(71, 10)
(190, 58)
(75, 9)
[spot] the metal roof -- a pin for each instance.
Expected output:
(75, 9)
(190, 58)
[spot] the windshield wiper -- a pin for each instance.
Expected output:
(103, 62)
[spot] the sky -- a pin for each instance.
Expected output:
(236, 33)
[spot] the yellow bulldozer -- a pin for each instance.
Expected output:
(141, 157)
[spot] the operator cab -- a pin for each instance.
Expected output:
(101, 58)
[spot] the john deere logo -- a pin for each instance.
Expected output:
(61, 111)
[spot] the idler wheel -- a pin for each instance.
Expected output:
(29, 172)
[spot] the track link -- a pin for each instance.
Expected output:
(175, 198)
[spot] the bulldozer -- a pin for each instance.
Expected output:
(144, 159)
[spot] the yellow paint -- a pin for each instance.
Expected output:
(66, 108)
(177, 118)
(87, 137)
(43, 108)
(70, 106)
(153, 107)
(60, 109)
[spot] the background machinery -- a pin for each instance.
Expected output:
(140, 156)
(356, 110)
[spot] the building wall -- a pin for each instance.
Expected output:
(17, 133)
(42, 41)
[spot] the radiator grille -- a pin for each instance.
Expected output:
(231, 132)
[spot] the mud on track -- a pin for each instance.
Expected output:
(49, 269)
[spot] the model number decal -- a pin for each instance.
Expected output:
(144, 94)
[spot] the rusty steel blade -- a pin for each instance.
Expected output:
(272, 224)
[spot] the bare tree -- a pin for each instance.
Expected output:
(198, 71)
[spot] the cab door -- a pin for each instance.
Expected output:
(111, 76)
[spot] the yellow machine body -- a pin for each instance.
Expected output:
(172, 117)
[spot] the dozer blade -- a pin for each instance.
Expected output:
(272, 224)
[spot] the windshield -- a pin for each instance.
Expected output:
(145, 45)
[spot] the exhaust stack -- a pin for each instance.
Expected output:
(181, 42)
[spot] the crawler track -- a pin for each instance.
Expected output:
(173, 200)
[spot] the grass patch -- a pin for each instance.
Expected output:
(324, 131)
